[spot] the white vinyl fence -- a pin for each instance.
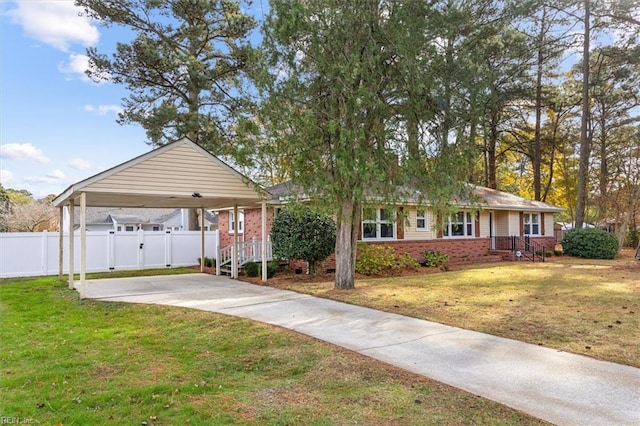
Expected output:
(25, 254)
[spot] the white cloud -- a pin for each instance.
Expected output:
(80, 164)
(76, 67)
(6, 177)
(23, 151)
(56, 23)
(54, 176)
(103, 109)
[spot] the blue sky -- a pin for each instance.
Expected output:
(56, 126)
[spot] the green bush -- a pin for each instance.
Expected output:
(633, 237)
(252, 269)
(272, 268)
(435, 259)
(590, 243)
(209, 262)
(301, 232)
(406, 261)
(375, 259)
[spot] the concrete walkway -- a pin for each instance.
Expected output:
(555, 386)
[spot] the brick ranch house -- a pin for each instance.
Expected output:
(473, 234)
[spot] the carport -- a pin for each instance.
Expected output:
(177, 175)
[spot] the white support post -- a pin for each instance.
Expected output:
(61, 244)
(218, 257)
(71, 241)
(83, 237)
(202, 251)
(168, 249)
(111, 250)
(263, 249)
(234, 254)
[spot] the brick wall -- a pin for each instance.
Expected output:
(252, 226)
(459, 250)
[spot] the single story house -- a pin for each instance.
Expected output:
(127, 219)
(486, 225)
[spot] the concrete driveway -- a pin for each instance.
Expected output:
(555, 386)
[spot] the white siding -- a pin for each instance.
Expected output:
(179, 171)
(502, 223)
(548, 224)
(514, 223)
(484, 224)
(410, 230)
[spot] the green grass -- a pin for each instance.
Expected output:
(590, 307)
(82, 362)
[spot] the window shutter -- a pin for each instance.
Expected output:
(477, 224)
(400, 223)
(542, 233)
(439, 219)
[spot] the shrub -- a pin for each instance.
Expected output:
(406, 261)
(209, 262)
(549, 253)
(303, 233)
(590, 243)
(272, 268)
(252, 269)
(633, 237)
(375, 259)
(435, 259)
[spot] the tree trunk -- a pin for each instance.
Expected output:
(585, 145)
(638, 252)
(536, 160)
(346, 239)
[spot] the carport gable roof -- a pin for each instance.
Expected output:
(180, 174)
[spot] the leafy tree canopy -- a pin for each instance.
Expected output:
(186, 68)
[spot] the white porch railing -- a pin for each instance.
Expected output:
(248, 251)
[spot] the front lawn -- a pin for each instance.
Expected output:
(589, 307)
(82, 362)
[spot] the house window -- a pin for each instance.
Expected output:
(460, 224)
(156, 228)
(128, 228)
(377, 224)
(232, 222)
(531, 224)
(119, 228)
(421, 220)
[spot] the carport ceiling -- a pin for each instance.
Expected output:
(177, 175)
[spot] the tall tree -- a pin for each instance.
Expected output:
(335, 75)
(185, 69)
(585, 136)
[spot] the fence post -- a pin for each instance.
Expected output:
(45, 253)
(140, 248)
(111, 249)
(168, 250)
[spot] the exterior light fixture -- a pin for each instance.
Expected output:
(196, 195)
